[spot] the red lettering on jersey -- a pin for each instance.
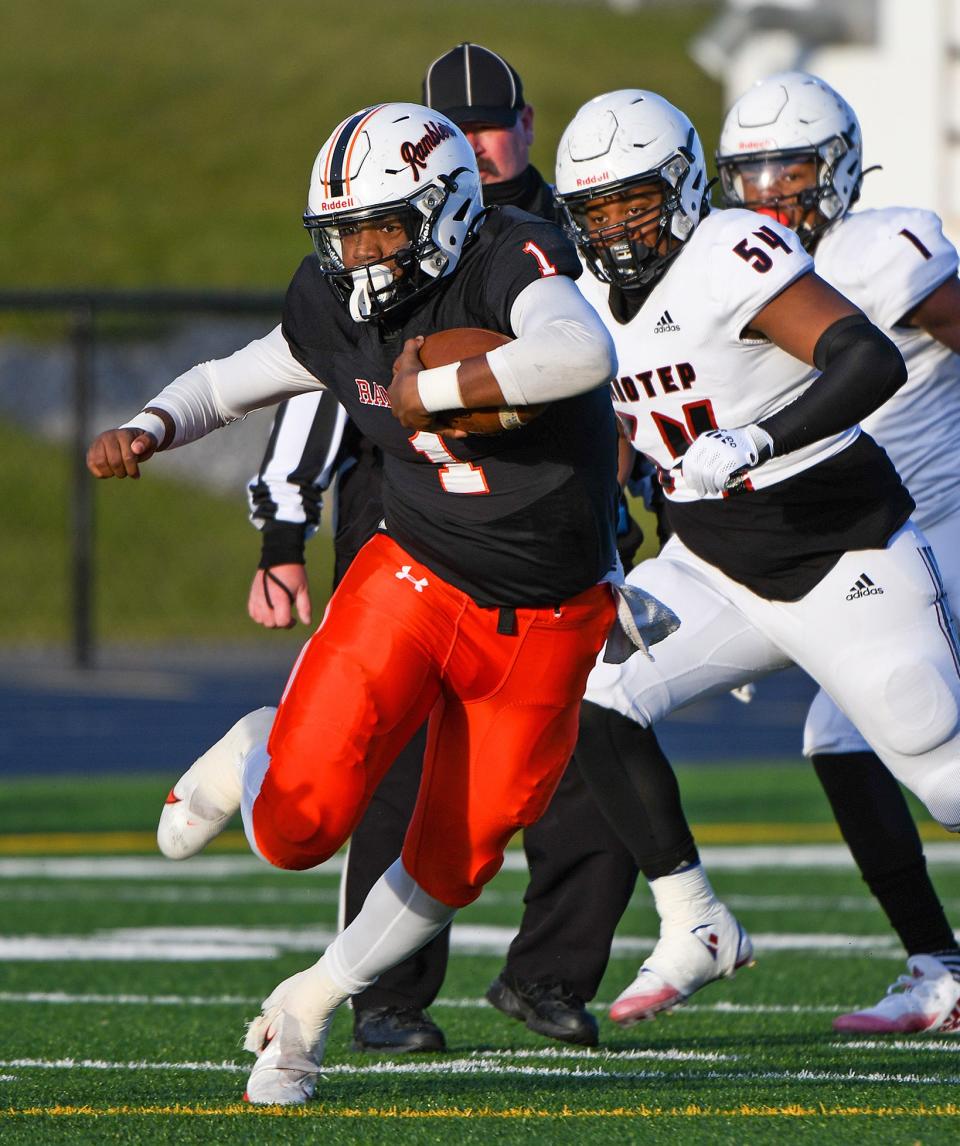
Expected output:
(686, 374)
(625, 388)
(372, 394)
(698, 418)
(646, 381)
(546, 267)
(666, 478)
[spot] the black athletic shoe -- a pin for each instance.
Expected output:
(396, 1029)
(545, 1007)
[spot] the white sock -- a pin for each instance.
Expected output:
(397, 919)
(683, 896)
(253, 768)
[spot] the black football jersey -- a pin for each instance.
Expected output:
(523, 518)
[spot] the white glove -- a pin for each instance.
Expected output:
(717, 460)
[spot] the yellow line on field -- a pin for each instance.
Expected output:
(103, 843)
(319, 1110)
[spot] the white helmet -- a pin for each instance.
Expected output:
(614, 144)
(781, 124)
(394, 159)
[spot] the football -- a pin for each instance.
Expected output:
(466, 342)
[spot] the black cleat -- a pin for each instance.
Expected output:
(396, 1029)
(545, 1007)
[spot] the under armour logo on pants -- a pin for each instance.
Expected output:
(419, 583)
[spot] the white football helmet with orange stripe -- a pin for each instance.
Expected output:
(393, 160)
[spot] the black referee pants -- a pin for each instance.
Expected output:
(581, 879)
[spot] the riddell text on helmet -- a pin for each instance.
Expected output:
(603, 177)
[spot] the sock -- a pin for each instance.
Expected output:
(397, 918)
(684, 896)
(876, 823)
(950, 959)
(252, 771)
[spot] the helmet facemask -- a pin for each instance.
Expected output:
(764, 182)
(375, 287)
(632, 252)
(791, 147)
(392, 164)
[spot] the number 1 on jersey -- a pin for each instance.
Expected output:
(455, 476)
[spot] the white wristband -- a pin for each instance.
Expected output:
(149, 422)
(439, 389)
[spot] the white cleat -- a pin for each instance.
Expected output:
(288, 1037)
(202, 801)
(684, 960)
(928, 999)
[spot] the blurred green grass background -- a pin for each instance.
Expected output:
(169, 143)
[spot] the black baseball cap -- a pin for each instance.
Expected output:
(471, 84)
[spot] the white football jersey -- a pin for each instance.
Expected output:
(887, 261)
(684, 365)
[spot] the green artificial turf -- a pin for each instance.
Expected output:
(147, 1049)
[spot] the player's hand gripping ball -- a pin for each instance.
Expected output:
(467, 342)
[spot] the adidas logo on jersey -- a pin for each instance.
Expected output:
(665, 324)
(863, 587)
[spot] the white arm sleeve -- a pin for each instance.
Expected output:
(562, 347)
(215, 393)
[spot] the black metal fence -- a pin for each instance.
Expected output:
(82, 310)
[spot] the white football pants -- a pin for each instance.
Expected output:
(827, 729)
(875, 634)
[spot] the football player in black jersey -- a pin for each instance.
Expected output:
(556, 961)
(483, 601)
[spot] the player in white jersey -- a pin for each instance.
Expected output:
(719, 321)
(778, 142)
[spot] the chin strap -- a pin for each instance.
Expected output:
(368, 282)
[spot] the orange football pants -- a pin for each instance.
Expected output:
(398, 643)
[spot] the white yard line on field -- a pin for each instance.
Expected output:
(490, 1066)
(206, 944)
(215, 892)
(64, 998)
(921, 1043)
(178, 892)
(718, 858)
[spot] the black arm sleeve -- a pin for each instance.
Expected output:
(861, 369)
